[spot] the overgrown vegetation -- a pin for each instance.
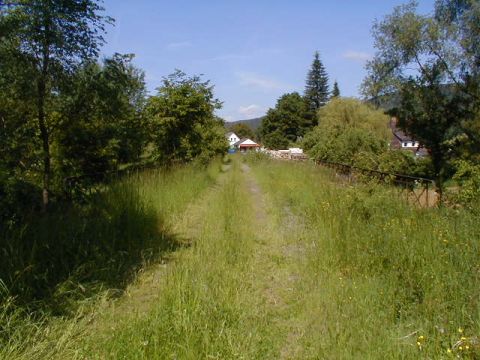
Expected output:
(82, 118)
(430, 64)
(352, 132)
(92, 251)
(381, 279)
(303, 266)
(295, 115)
(65, 113)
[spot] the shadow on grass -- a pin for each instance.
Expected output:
(53, 262)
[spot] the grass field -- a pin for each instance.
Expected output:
(280, 261)
(381, 279)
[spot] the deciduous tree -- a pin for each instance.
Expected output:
(431, 63)
(102, 117)
(50, 38)
(286, 121)
(183, 124)
(243, 130)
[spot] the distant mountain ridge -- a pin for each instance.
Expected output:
(253, 123)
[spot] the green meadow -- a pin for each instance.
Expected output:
(255, 259)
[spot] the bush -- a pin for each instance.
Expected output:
(468, 178)
(342, 146)
(349, 130)
(18, 199)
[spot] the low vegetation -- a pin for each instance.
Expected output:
(56, 264)
(186, 256)
(299, 265)
(381, 279)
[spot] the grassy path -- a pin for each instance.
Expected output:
(227, 295)
(278, 257)
(279, 264)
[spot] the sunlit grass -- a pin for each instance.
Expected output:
(310, 269)
(55, 267)
(207, 306)
(382, 279)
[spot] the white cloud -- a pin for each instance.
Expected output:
(179, 45)
(251, 111)
(357, 56)
(261, 82)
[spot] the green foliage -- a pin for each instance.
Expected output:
(431, 63)
(354, 133)
(183, 124)
(467, 177)
(343, 147)
(378, 273)
(336, 90)
(104, 103)
(276, 141)
(344, 113)
(243, 131)
(48, 40)
(349, 130)
(285, 123)
(316, 88)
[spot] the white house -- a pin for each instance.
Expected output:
(245, 145)
(401, 140)
(232, 138)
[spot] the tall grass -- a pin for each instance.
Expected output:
(382, 279)
(207, 306)
(51, 264)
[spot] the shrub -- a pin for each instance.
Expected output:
(468, 178)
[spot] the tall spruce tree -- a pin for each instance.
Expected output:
(316, 89)
(336, 90)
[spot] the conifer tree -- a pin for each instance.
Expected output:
(336, 90)
(316, 89)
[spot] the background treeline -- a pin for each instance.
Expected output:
(67, 113)
(426, 73)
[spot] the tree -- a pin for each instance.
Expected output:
(50, 38)
(316, 89)
(286, 121)
(336, 90)
(243, 130)
(183, 124)
(350, 131)
(105, 103)
(431, 63)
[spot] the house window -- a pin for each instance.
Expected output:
(405, 144)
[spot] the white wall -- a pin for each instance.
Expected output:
(232, 139)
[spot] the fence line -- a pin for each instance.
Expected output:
(415, 188)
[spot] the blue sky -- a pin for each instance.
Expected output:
(252, 51)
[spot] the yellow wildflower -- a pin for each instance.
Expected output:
(460, 330)
(449, 351)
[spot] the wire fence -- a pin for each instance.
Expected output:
(417, 190)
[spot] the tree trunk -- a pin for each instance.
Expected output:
(44, 135)
(438, 164)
